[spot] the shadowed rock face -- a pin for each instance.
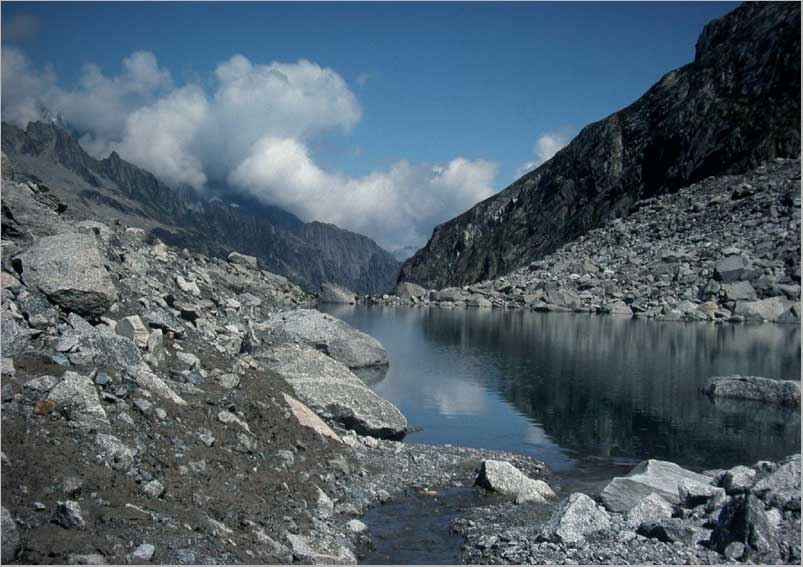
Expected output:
(736, 105)
(84, 187)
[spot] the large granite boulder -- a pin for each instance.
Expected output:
(331, 293)
(68, 269)
(771, 309)
(575, 518)
(334, 392)
(651, 476)
(329, 335)
(781, 392)
(506, 479)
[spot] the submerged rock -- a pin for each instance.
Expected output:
(504, 478)
(781, 392)
(660, 477)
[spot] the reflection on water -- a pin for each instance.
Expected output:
(582, 391)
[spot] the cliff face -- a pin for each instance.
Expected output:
(309, 254)
(736, 105)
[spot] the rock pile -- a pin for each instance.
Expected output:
(659, 513)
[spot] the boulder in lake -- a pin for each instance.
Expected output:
(331, 293)
(68, 269)
(504, 478)
(334, 392)
(781, 392)
(772, 309)
(329, 335)
(661, 477)
(575, 518)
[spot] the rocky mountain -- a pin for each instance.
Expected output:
(112, 188)
(724, 249)
(735, 106)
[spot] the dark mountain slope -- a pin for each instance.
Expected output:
(113, 188)
(735, 106)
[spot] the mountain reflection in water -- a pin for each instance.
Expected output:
(580, 390)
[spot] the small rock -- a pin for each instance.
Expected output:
(68, 515)
(575, 518)
(134, 329)
(153, 489)
(143, 552)
(356, 526)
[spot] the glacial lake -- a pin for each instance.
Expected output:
(589, 395)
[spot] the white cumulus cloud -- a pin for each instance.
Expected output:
(250, 131)
(546, 146)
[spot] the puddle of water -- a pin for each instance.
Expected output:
(414, 530)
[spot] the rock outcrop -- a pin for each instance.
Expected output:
(707, 118)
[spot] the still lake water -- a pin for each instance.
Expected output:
(591, 396)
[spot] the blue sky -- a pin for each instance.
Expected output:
(432, 81)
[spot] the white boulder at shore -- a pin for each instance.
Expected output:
(503, 478)
(651, 476)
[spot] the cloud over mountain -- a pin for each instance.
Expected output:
(250, 131)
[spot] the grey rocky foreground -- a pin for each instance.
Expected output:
(724, 249)
(754, 520)
(781, 392)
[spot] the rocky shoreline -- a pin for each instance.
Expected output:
(726, 249)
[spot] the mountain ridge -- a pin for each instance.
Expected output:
(114, 188)
(736, 105)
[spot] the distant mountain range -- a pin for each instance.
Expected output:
(736, 105)
(112, 188)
